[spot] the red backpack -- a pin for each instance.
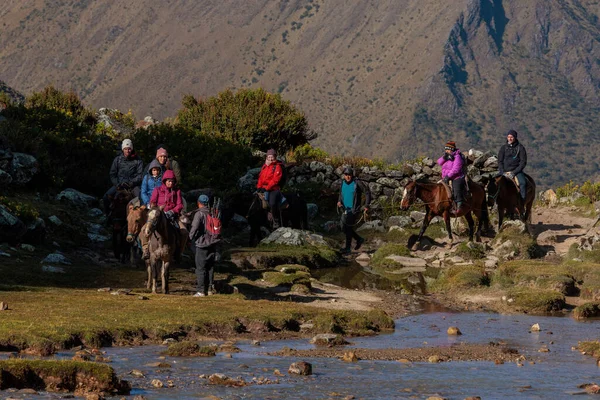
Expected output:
(212, 229)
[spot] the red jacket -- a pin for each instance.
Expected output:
(169, 198)
(269, 177)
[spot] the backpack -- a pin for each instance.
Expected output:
(212, 229)
(284, 174)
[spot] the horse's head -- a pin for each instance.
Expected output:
(492, 190)
(409, 195)
(118, 203)
(154, 216)
(136, 218)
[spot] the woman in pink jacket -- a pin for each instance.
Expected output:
(452, 170)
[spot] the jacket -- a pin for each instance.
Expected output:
(172, 165)
(169, 198)
(512, 158)
(360, 189)
(198, 230)
(269, 176)
(452, 168)
(127, 170)
(149, 182)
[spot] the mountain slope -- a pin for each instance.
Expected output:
(391, 79)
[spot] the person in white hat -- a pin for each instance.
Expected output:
(126, 172)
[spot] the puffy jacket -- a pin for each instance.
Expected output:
(172, 165)
(169, 198)
(269, 177)
(453, 168)
(512, 158)
(150, 182)
(360, 189)
(127, 170)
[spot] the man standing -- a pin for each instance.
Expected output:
(126, 172)
(349, 200)
(206, 248)
(512, 159)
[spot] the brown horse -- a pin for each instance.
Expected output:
(438, 203)
(136, 219)
(505, 194)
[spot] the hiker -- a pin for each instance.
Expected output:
(167, 196)
(269, 180)
(205, 244)
(452, 164)
(166, 162)
(512, 159)
(126, 172)
(349, 200)
(151, 180)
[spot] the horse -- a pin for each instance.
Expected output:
(502, 191)
(118, 218)
(163, 243)
(438, 203)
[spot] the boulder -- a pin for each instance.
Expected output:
(300, 368)
(294, 237)
(375, 225)
(24, 168)
(77, 199)
(56, 258)
(237, 221)
(248, 182)
(389, 182)
(312, 210)
(36, 231)
(12, 229)
(398, 220)
(417, 216)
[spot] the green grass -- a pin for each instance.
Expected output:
(536, 300)
(591, 348)
(379, 258)
(287, 279)
(459, 278)
(587, 310)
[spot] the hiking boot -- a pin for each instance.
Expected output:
(345, 250)
(359, 243)
(199, 294)
(459, 209)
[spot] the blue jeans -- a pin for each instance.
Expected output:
(522, 184)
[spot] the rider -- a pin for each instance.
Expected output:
(349, 199)
(167, 196)
(126, 172)
(268, 183)
(166, 162)
(452, 170)
(151, 180)
(512, 159)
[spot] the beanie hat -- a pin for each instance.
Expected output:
(450, 146)
(203, 199)
(127, 143)
(271, 152)
(348, 171)
(513, 133)
(161, 152)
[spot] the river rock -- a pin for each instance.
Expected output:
(12, 229)
(350, 356)
(300, 368)
(535, 328)
(363, 259)
(24, 168)
(294, 237)
(77, 199)
(453, 331)
(222, 379)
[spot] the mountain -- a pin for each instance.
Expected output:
(392, 79)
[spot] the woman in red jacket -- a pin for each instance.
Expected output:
(268, 182)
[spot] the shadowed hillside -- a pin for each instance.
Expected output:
(390, 79)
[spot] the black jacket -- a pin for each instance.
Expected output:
(512, 158)
(127, 170)
(358, 192)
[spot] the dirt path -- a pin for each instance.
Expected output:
(560, 227)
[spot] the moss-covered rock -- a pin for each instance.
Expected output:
(190, 349)
(460, 277)
(270, 256)
(470, 251)
(61, 375)
(351, 324)
(587, 310)
(535, 274)
(536, 300)
(591, 348)
(292, 268)
(380, 259)
(511, 241)
(287, 279)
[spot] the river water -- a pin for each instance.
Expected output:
(555, 374)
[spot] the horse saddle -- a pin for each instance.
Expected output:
(263, 201)
(516, 182)
(450, 190)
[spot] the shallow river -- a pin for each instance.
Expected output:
(555, 375)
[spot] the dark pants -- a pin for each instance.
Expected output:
(348, 222)
(110, 193)
(274, 202)
(458, 188)
(522, 184)
(205, 271)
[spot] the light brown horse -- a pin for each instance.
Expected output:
(437, 203)
(136, 219)
(505, 194)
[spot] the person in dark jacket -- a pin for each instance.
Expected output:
(512, 159)
(126, 171)
(349, 200)
(206, 252)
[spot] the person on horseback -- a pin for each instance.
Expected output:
(166, 162)
(205, 249)
(349, 199)
(512, 159)
(152, 179)
(269, 184)
(167, 196)
(126, 172)
(452, 170)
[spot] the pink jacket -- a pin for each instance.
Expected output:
(452, 169)
(169, 198)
